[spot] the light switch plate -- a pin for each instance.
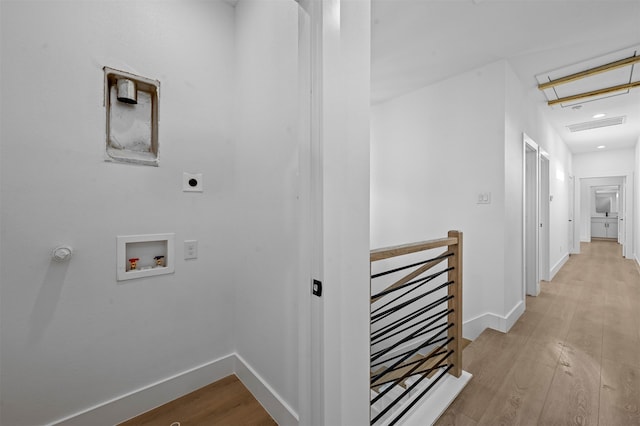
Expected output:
(484, 198)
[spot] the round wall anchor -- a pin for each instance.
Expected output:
(62, 253)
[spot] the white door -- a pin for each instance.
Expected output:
(621, 213)
(570, 227)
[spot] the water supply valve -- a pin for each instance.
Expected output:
(61, 253)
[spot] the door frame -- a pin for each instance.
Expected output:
(332, 345)
(544, 215)
(530, 216)
(627, 214)
(621, 217)
(571, 226)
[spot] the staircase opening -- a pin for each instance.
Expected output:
(416, 326)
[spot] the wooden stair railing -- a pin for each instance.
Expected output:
(407, 338)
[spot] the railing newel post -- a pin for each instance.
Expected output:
(455, 303)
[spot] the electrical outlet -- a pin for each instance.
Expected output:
(190, 249)
(192, 182)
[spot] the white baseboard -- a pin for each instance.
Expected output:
(151, 396)
(558, 266)
(281, 412)
(472, 328)
(513, 316)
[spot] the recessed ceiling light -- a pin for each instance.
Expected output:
(601, 147)
(600, 115)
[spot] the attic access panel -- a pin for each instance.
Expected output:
(131, 104)
(560, 95)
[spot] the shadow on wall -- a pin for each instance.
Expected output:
(47, 301)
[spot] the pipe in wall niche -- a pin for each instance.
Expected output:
(127, 91)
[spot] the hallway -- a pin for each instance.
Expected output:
(573, 357)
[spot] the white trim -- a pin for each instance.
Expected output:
(513, 316)
(472, 328)
(121, 253)
(556, 268)
(529, 287)
(277, 407)
(544, 216)
(148, 397)
(436, 402)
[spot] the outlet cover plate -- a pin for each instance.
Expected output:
(192, 182)
(190, 249)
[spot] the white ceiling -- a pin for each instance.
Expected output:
(419, 42)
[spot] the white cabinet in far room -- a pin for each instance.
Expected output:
(604, 227)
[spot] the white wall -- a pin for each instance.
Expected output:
(560, 168)
(604, 163)
(71, 335)
(343, 143)
(526, 115)
(432, 152)
(267, 215)
(435, 149)
(1, 210)
(636, 203)
(74, 337)
(515, 117)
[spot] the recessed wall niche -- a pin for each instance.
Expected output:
(131, 104)
(144, 255)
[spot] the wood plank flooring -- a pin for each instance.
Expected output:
(225, 402)
(573, 358)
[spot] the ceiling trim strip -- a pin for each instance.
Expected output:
(595, 93)
(592, 71)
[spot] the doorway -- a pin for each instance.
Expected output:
(536, 199)
(587, 218)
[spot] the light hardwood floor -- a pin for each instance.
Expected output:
(573, 358)
(225, 402)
